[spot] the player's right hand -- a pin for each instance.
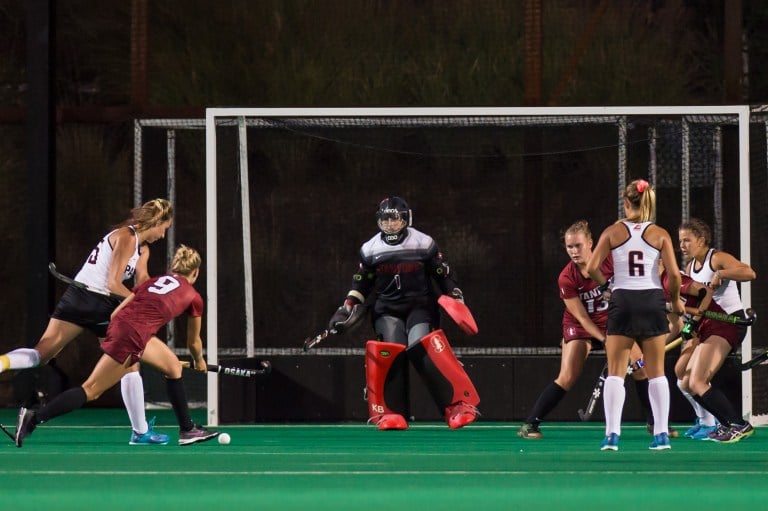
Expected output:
(339, 317)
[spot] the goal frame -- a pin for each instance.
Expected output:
(215, 115)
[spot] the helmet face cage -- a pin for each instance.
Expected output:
(393, 215)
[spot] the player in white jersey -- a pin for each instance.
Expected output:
(120, 255)
(637, 310)
(720, 271)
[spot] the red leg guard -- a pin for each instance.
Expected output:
(448, 382)
(383, 362)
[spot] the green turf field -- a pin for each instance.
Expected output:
(83, 461)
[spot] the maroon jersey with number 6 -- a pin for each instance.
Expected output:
(156, 302)
(574, 285)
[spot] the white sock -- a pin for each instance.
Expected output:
(20, 358)
(705, 418)
(614, 395)
(658, 394)
(132, 388)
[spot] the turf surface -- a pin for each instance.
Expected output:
(83, 461)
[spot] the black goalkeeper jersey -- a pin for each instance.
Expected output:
(402, 275)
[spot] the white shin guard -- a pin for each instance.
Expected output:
(705, 418)
(132, 388)
(658, 394)
(614, 394)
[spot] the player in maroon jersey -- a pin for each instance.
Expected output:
(584, 320)
(131, 336)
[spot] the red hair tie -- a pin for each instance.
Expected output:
(642, 184)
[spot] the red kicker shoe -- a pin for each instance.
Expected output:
(390, 421)
(460, 414)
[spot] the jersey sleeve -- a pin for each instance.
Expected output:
(686, 285)
(441, 272)
(364, 278)
(195, 308)
(566, 285)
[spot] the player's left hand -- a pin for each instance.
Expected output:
(200, 365)
(690, 329)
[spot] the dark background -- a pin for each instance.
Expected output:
(75, 74)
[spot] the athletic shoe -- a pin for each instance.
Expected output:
(703, 432)
(610, 443)
(693, 429)
(530, 431)
(151, 437)
(195, 435)
(660, 442)
(671, 432)
(389, 421)
(460, 414)
(734, 433)
(720, 430)
(25, 425)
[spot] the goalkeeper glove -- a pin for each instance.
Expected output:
(341, 316)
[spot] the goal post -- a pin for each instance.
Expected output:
(683, 157)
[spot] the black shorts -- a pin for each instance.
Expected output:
(86, 309)
(637, 314)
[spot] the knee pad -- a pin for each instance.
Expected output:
(386, 380)
(442, 372)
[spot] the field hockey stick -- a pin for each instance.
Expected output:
(311, 342)
(266, 368)
(726, 318)
(586, 413)
(754, 362)
(63, 278)
(13, 438)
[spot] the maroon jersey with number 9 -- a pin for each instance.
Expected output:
(156, 302)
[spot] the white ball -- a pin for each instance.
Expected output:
(224, 439)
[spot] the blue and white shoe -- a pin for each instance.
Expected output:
(611, 443)
(704, 432)
(693, 429)
(660, 442)
(151, 437)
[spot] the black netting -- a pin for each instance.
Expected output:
(495, 192)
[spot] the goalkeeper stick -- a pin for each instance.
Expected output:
(311, 342)
(266, 368)
(63, 278)
(586, 413)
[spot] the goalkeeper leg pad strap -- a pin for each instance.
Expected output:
(386, 380)
(445, 378)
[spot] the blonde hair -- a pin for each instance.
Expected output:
(579, 226)
(185, 260)
(149, 215)
(642, 198)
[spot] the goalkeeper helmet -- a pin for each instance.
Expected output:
(393, 218)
